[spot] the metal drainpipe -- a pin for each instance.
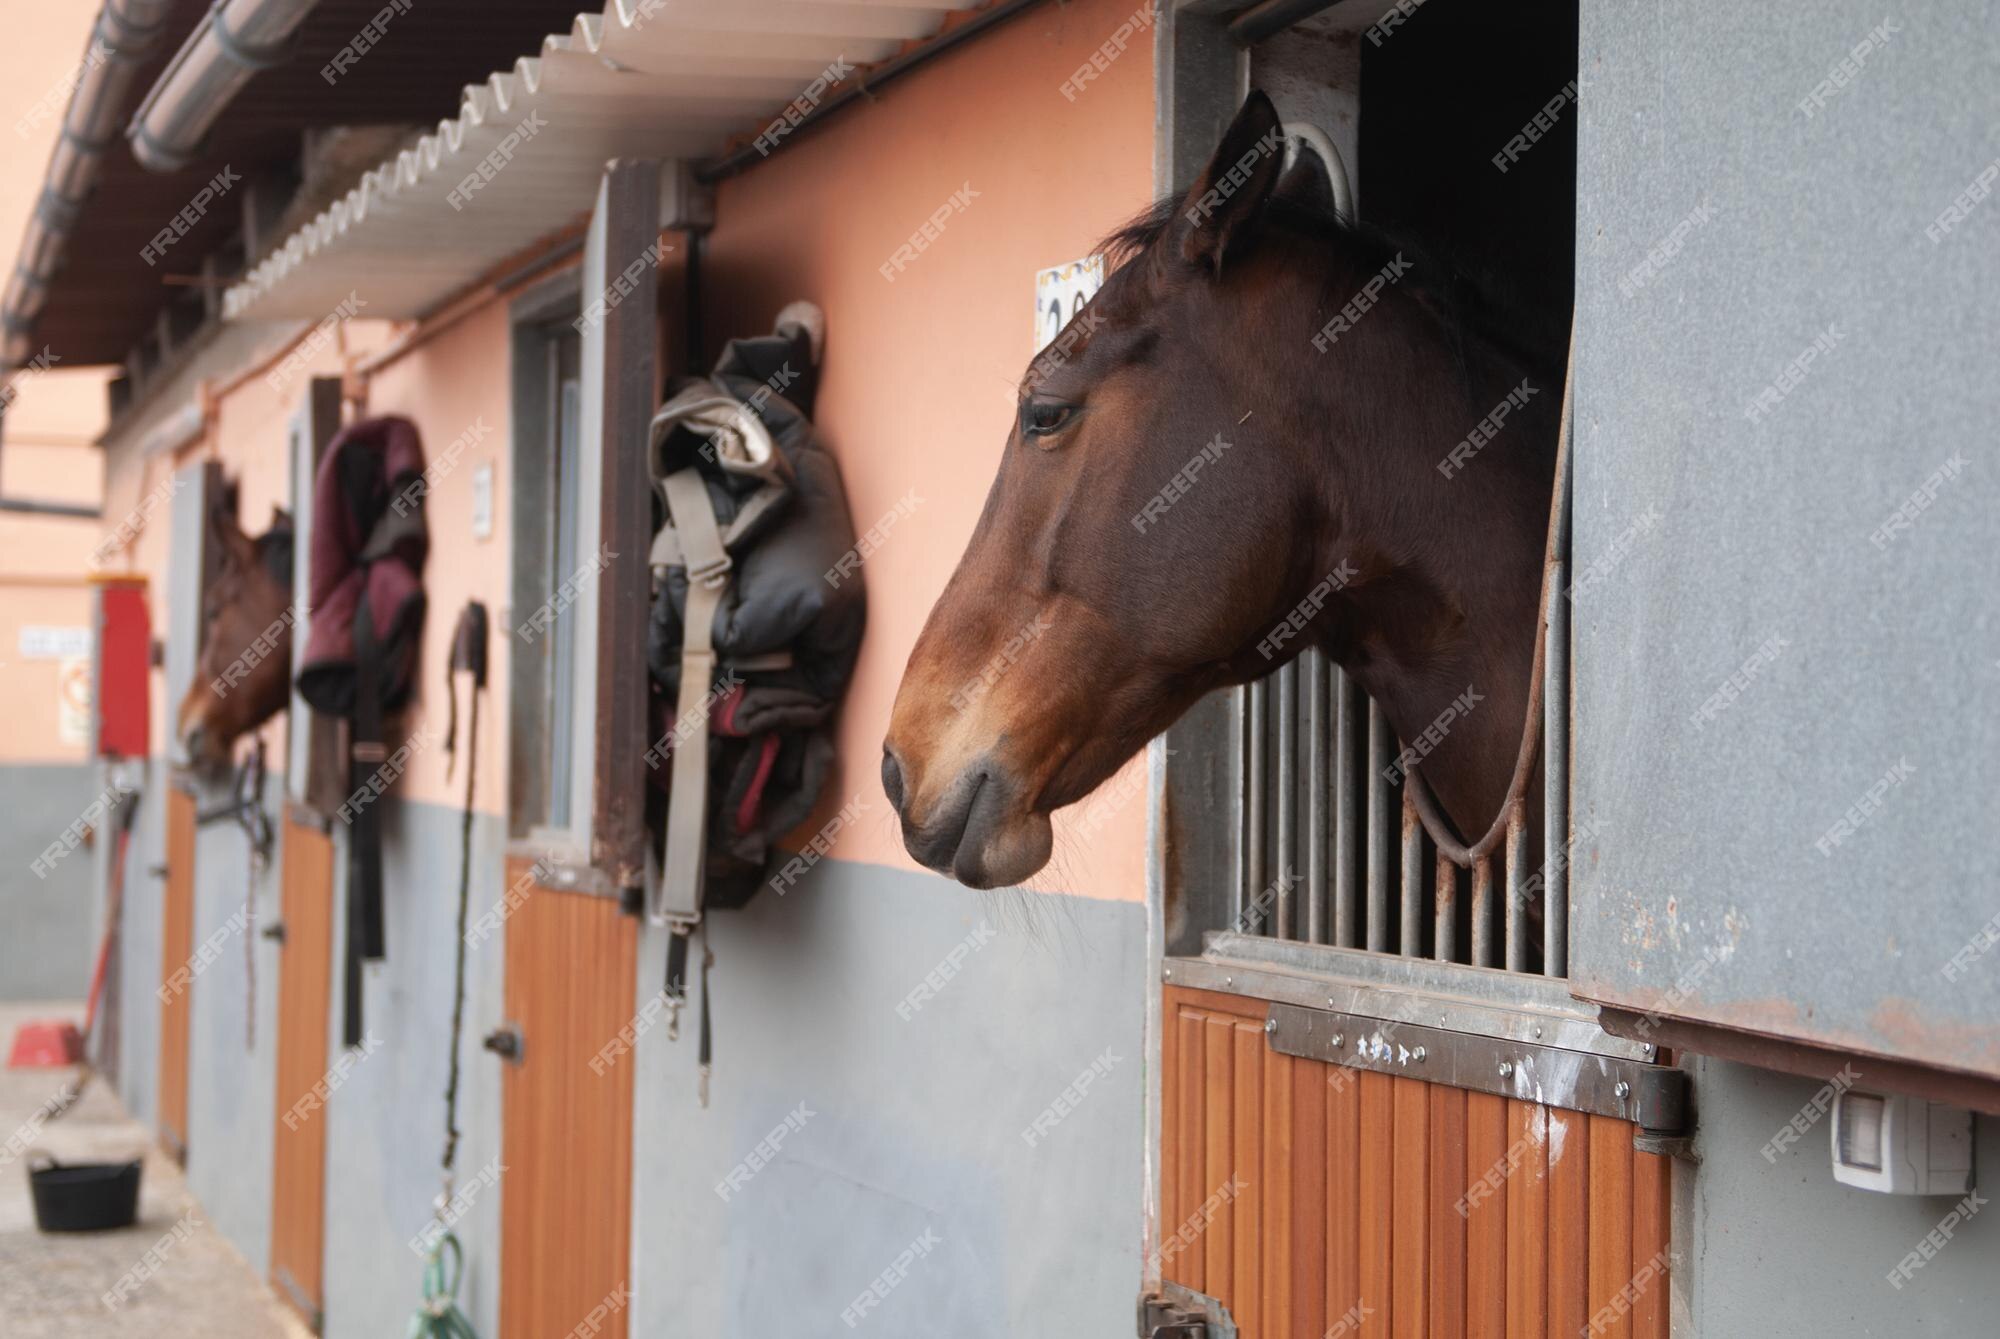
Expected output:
(239, 38)
(125, 30)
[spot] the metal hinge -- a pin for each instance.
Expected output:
(1174, 1312)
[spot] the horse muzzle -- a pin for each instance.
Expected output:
(975, 830)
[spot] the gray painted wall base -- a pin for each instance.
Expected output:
(385, 1130)
(914, 1125)
(232, 1071)
(1780, 1250)
(46, 944)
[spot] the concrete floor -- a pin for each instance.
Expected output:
(54, 1285)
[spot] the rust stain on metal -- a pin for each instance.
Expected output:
(1904, 1026)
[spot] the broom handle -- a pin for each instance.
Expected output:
(113, 904)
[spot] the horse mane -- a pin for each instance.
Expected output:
(1297, 206)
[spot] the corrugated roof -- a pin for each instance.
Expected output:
(104, 299)
(645, 78)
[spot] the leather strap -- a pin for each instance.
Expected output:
(364, 852)
(708, 567)
(667, 551)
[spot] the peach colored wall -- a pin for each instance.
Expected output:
(460, 379)
(916, 394)
(46, 454)
(39, 63)
(919, 375)
(30, 687)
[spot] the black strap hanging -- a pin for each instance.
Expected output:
(468, 655)
(366, 753)
(677, 964)
(678, 944)
(705, 1053)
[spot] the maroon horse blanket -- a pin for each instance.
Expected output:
(366, 603)
(369, 542)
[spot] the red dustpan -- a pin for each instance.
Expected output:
(46, 1044)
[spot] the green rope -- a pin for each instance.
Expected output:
(439, 1316)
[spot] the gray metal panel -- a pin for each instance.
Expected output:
(137, 974)
(600, 262)
(182, 635)
(1706, 525)
(313, 774)
(1205, 863)
(302, 461)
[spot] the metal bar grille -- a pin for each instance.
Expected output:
(1381, 748)
(1319, 777)
(1286, 685)
(1330, 850)
(1255, 730)
(1347, 811)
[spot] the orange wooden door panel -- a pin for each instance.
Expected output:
(566, 1125)
(176, 976)
(1367, 1204)
(305, 993)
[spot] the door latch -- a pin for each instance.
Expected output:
(1175, 1312)
(505, 1041)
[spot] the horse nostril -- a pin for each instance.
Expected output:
(892, 779)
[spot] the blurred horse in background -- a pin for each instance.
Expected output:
(244, 674)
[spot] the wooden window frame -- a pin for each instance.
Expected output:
(602, 848)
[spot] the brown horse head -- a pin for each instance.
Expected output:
(1241, 447)
(243, 676)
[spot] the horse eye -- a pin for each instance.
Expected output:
(1039, 418)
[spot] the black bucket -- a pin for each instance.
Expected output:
(84, 1196)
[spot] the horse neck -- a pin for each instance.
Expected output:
(1446, 615)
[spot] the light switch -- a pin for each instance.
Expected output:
(482, 501)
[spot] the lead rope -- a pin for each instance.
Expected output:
(257, 834)
(1414, 786)
(468, 653)
(439, 1317)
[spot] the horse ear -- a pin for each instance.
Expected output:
(237, 547)
(1229, 195)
